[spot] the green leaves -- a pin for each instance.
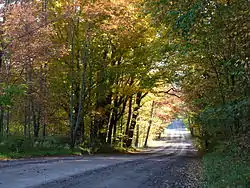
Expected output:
(185, 21)
(7, 93)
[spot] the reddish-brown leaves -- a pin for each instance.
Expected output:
(28, 34)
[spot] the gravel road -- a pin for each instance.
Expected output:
(169, 162)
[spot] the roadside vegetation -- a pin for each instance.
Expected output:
(106, 76)
(211, 38)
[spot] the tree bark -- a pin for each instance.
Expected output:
(129, 114)
(137, 135)
(133, 120)
(149, 124)
(1, 121)
(7, 121)
(29, 97)
(103, 101)
(112, 121)
(79, 122)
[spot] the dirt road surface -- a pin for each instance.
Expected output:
(169, 162)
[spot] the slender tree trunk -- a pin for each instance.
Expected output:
(106, 119)
(117, 113)
(82, 125)
(78, 97)
(93, 130)
(159, 135)
(121, 130)
(114, 131)
(79, 118)
(112, 121)
(103, 101)
(77, 91)
(44, 130)
(1, 63)
(130, 103)
(133, 120)
(25, 120)
(30, 99)
(29, 121)
(44, 106)
(7, 121)
(90, 96)
(1, 121)
(111, 125)
(137, 135)
(129, 114)
(149, 124)
(35, 125)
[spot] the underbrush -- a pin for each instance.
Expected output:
(227, 167)
(223, 137)
(18, 147)
(104, 149)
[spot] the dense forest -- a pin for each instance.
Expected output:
(107, 74)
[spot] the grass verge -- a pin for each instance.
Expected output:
(38, 153)
(227, 167)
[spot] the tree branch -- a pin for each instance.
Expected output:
(168, 92)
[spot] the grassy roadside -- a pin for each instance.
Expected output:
(38, 153)
(226, 167)
(20, 147)
(62, 153)
(15, 147)
(224, 170)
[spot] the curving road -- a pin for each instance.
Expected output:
(168, 162)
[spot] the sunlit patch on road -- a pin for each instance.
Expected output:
(175, 138)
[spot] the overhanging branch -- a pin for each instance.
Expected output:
(167, 92)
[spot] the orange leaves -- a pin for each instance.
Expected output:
(168, 107)
(164, 117)
(116, 14)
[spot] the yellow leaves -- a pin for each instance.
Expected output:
(58, 4)
(119, 18)
(127, 90)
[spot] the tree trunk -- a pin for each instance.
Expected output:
(114, 130)
(103, 101)
(30, 99)
(129, 114)
(113, 121)
(25, 120)
(1, 121)
(111, 125)
(159, 135)
(44, 130)
(79, 121)
(29, 120)
(149, 124)
(44, 106)
(137, 135)
(106, 119)
(133, 120)
(121, 130)
(77, 130)
(1, 61)
(82, 125)
(35, 124)
(7, 122)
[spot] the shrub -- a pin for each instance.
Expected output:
(16, 144)
(226, 169)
